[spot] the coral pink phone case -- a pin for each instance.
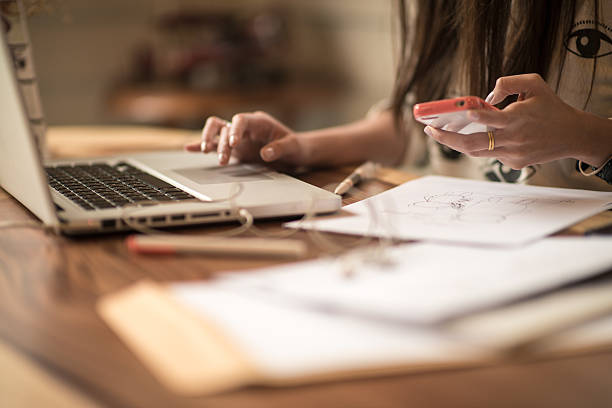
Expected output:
(451, 114)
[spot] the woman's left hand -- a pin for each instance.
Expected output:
(538, 128)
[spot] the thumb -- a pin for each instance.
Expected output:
(279, 149)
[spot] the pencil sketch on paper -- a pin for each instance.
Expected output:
(472, 207)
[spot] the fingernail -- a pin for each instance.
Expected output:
(232, 139)
(268, 154)
(489, 97)
(203, 146)
(428, 131)
(221, 157)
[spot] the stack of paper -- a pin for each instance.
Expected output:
(309, 318)
(388, 309)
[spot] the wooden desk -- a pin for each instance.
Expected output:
(49, 284)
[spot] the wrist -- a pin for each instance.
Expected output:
(595, 143)
(367, 139)
(319, 148)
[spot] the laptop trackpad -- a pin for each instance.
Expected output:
(226, 174)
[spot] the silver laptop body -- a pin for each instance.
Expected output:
(211, 193)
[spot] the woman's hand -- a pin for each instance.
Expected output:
(538, 128)
(250, 137)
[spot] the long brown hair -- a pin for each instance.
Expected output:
(471, 36)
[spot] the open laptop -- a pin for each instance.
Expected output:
(154, 189)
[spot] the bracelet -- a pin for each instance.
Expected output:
(604, 171)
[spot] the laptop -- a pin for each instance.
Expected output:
(159, 189)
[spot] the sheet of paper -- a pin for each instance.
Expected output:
(458, 210)
(428, 282)
(287, 344)
(580, 315)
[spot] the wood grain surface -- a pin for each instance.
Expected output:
(49, 285)
(26, 384)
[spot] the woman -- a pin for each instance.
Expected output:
(548, 63)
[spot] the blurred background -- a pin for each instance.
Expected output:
(311, 63)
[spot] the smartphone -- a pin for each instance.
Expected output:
(451, 114)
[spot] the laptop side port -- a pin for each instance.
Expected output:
(203, 215)
(107, 224)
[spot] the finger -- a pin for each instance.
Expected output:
(223, 149)
(193, 147)
(497, 119)
(464, 143)
(211, 129)
(506, 157)
(526, 85)
(286, 147)
(240, 123)
(497, 153)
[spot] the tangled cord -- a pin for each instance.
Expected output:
(324, 242)
(349, 262)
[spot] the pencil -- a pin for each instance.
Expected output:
(176, 244)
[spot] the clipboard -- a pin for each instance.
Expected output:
(192, 355)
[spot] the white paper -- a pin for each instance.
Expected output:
(426, 282)
(284, 342)
(308, 319)
(458, 210)
(582, 314)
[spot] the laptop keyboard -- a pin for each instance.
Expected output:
(100, 186)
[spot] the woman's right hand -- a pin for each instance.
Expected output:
(251, 137)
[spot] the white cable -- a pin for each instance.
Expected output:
(349, 261)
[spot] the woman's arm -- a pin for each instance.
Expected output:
(538, 128)
(259, 136)
(374, 138)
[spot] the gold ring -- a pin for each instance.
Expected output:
(491, 140)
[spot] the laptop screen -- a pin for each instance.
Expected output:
(21, 172)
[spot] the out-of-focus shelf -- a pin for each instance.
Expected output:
(90, 141)
(175, 106)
